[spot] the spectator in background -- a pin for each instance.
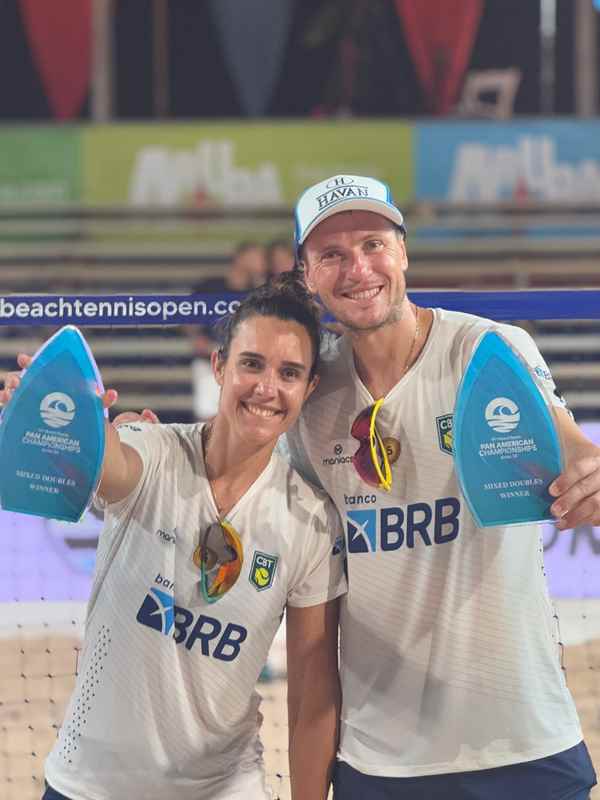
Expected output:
(280, 257)
(247, 270)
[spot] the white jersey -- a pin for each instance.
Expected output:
(450, 658)
(165, 702)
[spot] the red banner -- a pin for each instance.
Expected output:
(440, 35)
(60, 36)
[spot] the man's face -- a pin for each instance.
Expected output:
(355, 261)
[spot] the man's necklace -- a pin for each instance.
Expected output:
(414, 339)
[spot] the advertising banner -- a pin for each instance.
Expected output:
(39, 167)
(572, 558)
(491, 162)
(236, 165)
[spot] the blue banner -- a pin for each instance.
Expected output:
(490, 162)
(115, 309)
(163, 309)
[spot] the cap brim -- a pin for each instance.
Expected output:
(356, 204)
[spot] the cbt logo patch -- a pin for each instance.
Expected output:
(394, 527)
(262, 570)
(444, 432)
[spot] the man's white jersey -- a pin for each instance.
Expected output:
(450, 659)
(165, 703)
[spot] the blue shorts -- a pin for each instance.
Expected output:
(52, 794)
(565, 776)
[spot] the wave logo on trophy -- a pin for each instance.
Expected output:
(52, 432)
(57, 410)
(502, 414)
(506, 448)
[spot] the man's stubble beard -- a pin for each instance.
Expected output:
(395, 314)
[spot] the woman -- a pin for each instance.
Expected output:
(208, 537)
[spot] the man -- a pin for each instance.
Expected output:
(451, 678)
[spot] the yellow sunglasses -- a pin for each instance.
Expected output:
(371, 459)
(219, 556)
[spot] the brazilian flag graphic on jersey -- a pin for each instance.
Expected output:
(262, 570)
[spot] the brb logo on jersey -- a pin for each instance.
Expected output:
(159, 612)
(391, 528)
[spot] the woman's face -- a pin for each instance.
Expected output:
(265, 379)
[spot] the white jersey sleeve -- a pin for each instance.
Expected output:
(291, 448)
(320, 576)
(144, 438)
(524, 346)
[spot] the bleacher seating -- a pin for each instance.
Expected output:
(460, 248)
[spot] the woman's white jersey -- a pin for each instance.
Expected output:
(165, 703)
(450, 658)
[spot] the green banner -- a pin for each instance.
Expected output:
(40, 167)
(232, 165)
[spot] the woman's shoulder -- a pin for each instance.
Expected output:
(301, 494)
(169, 432)
(161, 440)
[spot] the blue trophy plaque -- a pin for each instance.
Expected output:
(506, 448)
(52, 432)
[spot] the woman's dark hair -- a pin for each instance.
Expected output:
(285, 297)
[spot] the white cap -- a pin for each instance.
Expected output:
(343, 193)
